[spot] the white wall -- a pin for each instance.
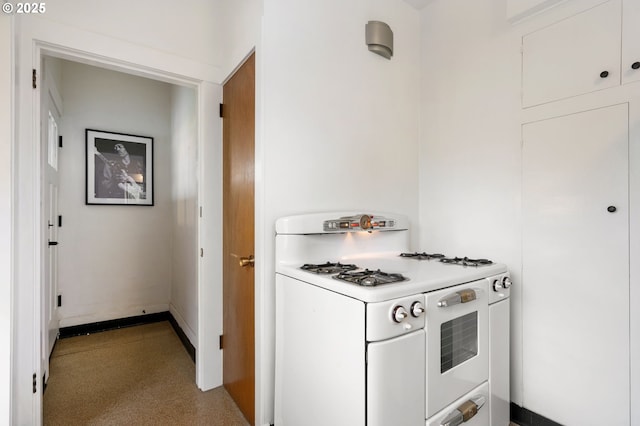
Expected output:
(470, 144)
(184, 196)
(470, 141)
(114, 261)
(242, 29)
(339, 124)
(519, 9)
(6, 119)
(191, 29)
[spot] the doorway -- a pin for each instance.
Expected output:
(123, 261)
(27, 288)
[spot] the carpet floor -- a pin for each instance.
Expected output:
(131, 376)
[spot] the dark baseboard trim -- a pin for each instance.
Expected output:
(191, 350)
(524, 417)
(96, 327)
(44, 382)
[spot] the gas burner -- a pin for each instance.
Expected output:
(465, 261)
(328, 268)
(369, 278)
(422, 256)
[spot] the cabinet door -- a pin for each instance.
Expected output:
(631, 42)
(568, 58)
(575, 296)
(396, 381)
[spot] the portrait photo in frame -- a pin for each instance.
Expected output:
(119, 168)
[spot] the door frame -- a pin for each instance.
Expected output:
(34, 39)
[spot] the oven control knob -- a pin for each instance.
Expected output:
(501, 284)
(506, 282)
(399, 314)
(417, 309)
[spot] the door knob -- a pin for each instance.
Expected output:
(635, 65)
(611, 209)
(246, 261)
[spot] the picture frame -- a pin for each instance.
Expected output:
(119, 169)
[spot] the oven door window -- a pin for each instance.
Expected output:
(458, 341)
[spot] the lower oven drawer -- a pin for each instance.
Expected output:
(452, 412)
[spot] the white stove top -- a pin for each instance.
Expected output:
(370, 240)
(422, 275)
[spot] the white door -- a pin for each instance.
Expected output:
(50, 125)
(575, 296)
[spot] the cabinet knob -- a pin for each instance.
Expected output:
(611, 209)
(604, 74)
(635, 65)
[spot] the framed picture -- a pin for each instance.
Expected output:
(119, 168)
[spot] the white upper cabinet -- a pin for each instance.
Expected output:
(631, 41)
(577, 55)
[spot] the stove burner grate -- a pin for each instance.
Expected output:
(422, 256)
(328, 268)
(465, 261)
(370, 278)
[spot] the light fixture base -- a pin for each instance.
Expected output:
(379, 38)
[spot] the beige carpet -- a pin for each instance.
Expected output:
(132, 376)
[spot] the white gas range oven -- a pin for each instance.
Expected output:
(368, 333)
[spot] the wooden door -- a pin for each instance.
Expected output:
(575, 267)
(238, 125)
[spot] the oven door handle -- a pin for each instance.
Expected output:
(464, 412)
(462, 296)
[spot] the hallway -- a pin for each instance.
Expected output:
(138, 375)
